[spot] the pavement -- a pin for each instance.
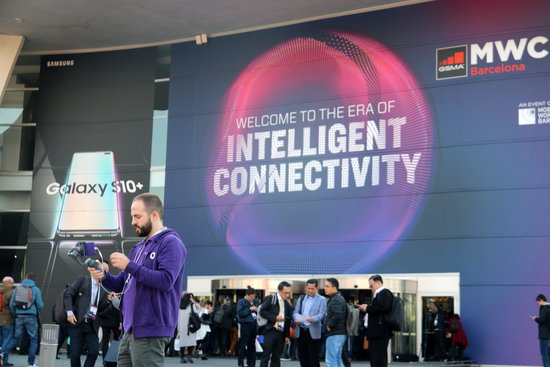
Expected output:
(21, 361)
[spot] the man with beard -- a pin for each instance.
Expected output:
(150, 284)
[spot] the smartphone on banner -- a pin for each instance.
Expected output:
(90, 204)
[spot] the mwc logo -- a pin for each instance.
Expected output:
(496, 57)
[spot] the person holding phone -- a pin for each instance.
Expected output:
(247, 314)
(377, 331)
(276, 310)
(543, 320)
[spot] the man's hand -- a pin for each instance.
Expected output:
(287, 340)
(280, 318)
(254, 309)
(119, 260)
(309, 319)
(363, 308)
(111, 296)
(96, 274)
(72, 319)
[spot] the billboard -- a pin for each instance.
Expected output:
(407, 140)
(93, 151)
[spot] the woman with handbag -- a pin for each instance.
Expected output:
(187, 336)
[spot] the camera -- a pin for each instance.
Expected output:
(84, 249)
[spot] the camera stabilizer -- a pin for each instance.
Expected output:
(83, 249)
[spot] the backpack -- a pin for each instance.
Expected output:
(218, 315)
(22, 297)
(59, 311)
(395, 319)
(194, 322)
(262, 321)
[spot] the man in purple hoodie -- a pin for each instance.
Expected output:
(150, 284)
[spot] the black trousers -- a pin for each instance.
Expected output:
(247, 342)
(204, 344)
(308, 349)
(378, 352)
(83, 334)
(274, 341)
(224, 341)
(441, 345)
(106, 338)
(63, 335)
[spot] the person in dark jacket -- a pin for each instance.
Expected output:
(440, 325)
(276, 310)
(109, 320)
(337, 311)
(247, 314)
(150, 281)
(223, 321)
(544, 328)
(378, 332)
(82, 302)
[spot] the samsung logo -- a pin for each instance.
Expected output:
(58, 63)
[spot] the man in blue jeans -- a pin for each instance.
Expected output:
(337, 312)
(6, 317)
(26, 318)
(544, 328)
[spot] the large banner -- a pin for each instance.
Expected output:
(93, 151)
(409, 140)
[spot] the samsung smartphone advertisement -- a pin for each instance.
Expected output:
(409, 140)
(93, 149)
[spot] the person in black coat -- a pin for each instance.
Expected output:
(277, 330)
(222, 326)
(377, 330)
(82, 302)
(543, 320)
(247, 313)
(109, 320)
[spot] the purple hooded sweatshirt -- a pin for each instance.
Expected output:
(151, 299)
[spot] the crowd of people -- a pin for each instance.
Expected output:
(314, 327)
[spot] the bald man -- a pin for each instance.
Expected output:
(6, 317)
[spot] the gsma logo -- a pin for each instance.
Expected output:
(451, 62)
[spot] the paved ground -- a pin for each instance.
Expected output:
(21, 361)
